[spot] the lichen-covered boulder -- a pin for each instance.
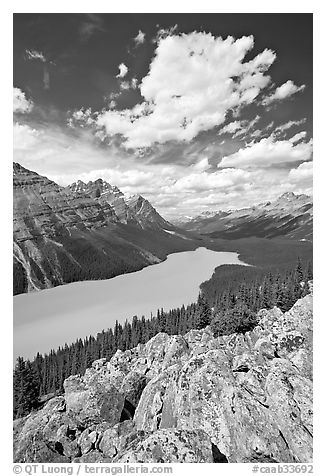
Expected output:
(35, 436)
(116, 440)
(171, 446)
(290, 402)
(93, 402)
(192, 398)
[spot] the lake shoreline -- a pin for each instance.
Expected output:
(65, 313)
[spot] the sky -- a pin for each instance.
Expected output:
(196, 112)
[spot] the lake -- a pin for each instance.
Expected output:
(49, 318)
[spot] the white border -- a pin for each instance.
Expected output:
(168, 6)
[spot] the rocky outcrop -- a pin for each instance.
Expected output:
(192, 398)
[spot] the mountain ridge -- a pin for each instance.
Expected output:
(289, 215)
(66, 234)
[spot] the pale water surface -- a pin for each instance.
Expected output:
(49, 318)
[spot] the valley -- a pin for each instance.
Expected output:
(110, 257)
(289, 216)
(83, 232)
(93, 231)
(53, 317)
(163, 213)
(97, 273)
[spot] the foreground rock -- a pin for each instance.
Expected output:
(196, 398)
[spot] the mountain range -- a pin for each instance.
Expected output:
(289, 216)
(83, 231)
(92, 230)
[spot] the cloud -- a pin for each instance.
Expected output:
(282, 92)
(130, 180)
(267, 153)
(231, 128)
(92, 24)
(81, 118)
(123, 70)
(139, 38)
(46, 78)
(56, 151)
(298, 137)
(288, 125)
(202, 164)
(124, 85)
(25, 137)
(33, 54)
(21, 104)
(203, 181)
(194, 187)
(37, 55)
(303, 173)
(165, 32)
(194, 80)
(238, 128)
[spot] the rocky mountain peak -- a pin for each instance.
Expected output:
(17, 168)
(77, 187)
(53, 223)
(289, 215)
(288, 195)
(145, 212)
(292, 197)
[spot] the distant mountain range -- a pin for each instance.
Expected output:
(289, 216)
(84, 231)
(93, 231)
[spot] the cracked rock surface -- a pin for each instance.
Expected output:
(187, 399)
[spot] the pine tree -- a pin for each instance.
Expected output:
(203, 314)
(237, 319)
(26, 388)
(299, 271)
(309, 272)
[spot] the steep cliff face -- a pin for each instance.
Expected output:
(191, 398)
(43, 208)
(134, 210)
(145, 213)
(85, 231)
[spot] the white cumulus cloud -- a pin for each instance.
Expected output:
(298, 137)
(284, 91)
(202, 164)
(303, 173)
(25, 137)
(284, 127)
(193, 81)
(268, 152)
(139, 38)
(204, 181)
(238, 128)
(21, 103)
(123, 70)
